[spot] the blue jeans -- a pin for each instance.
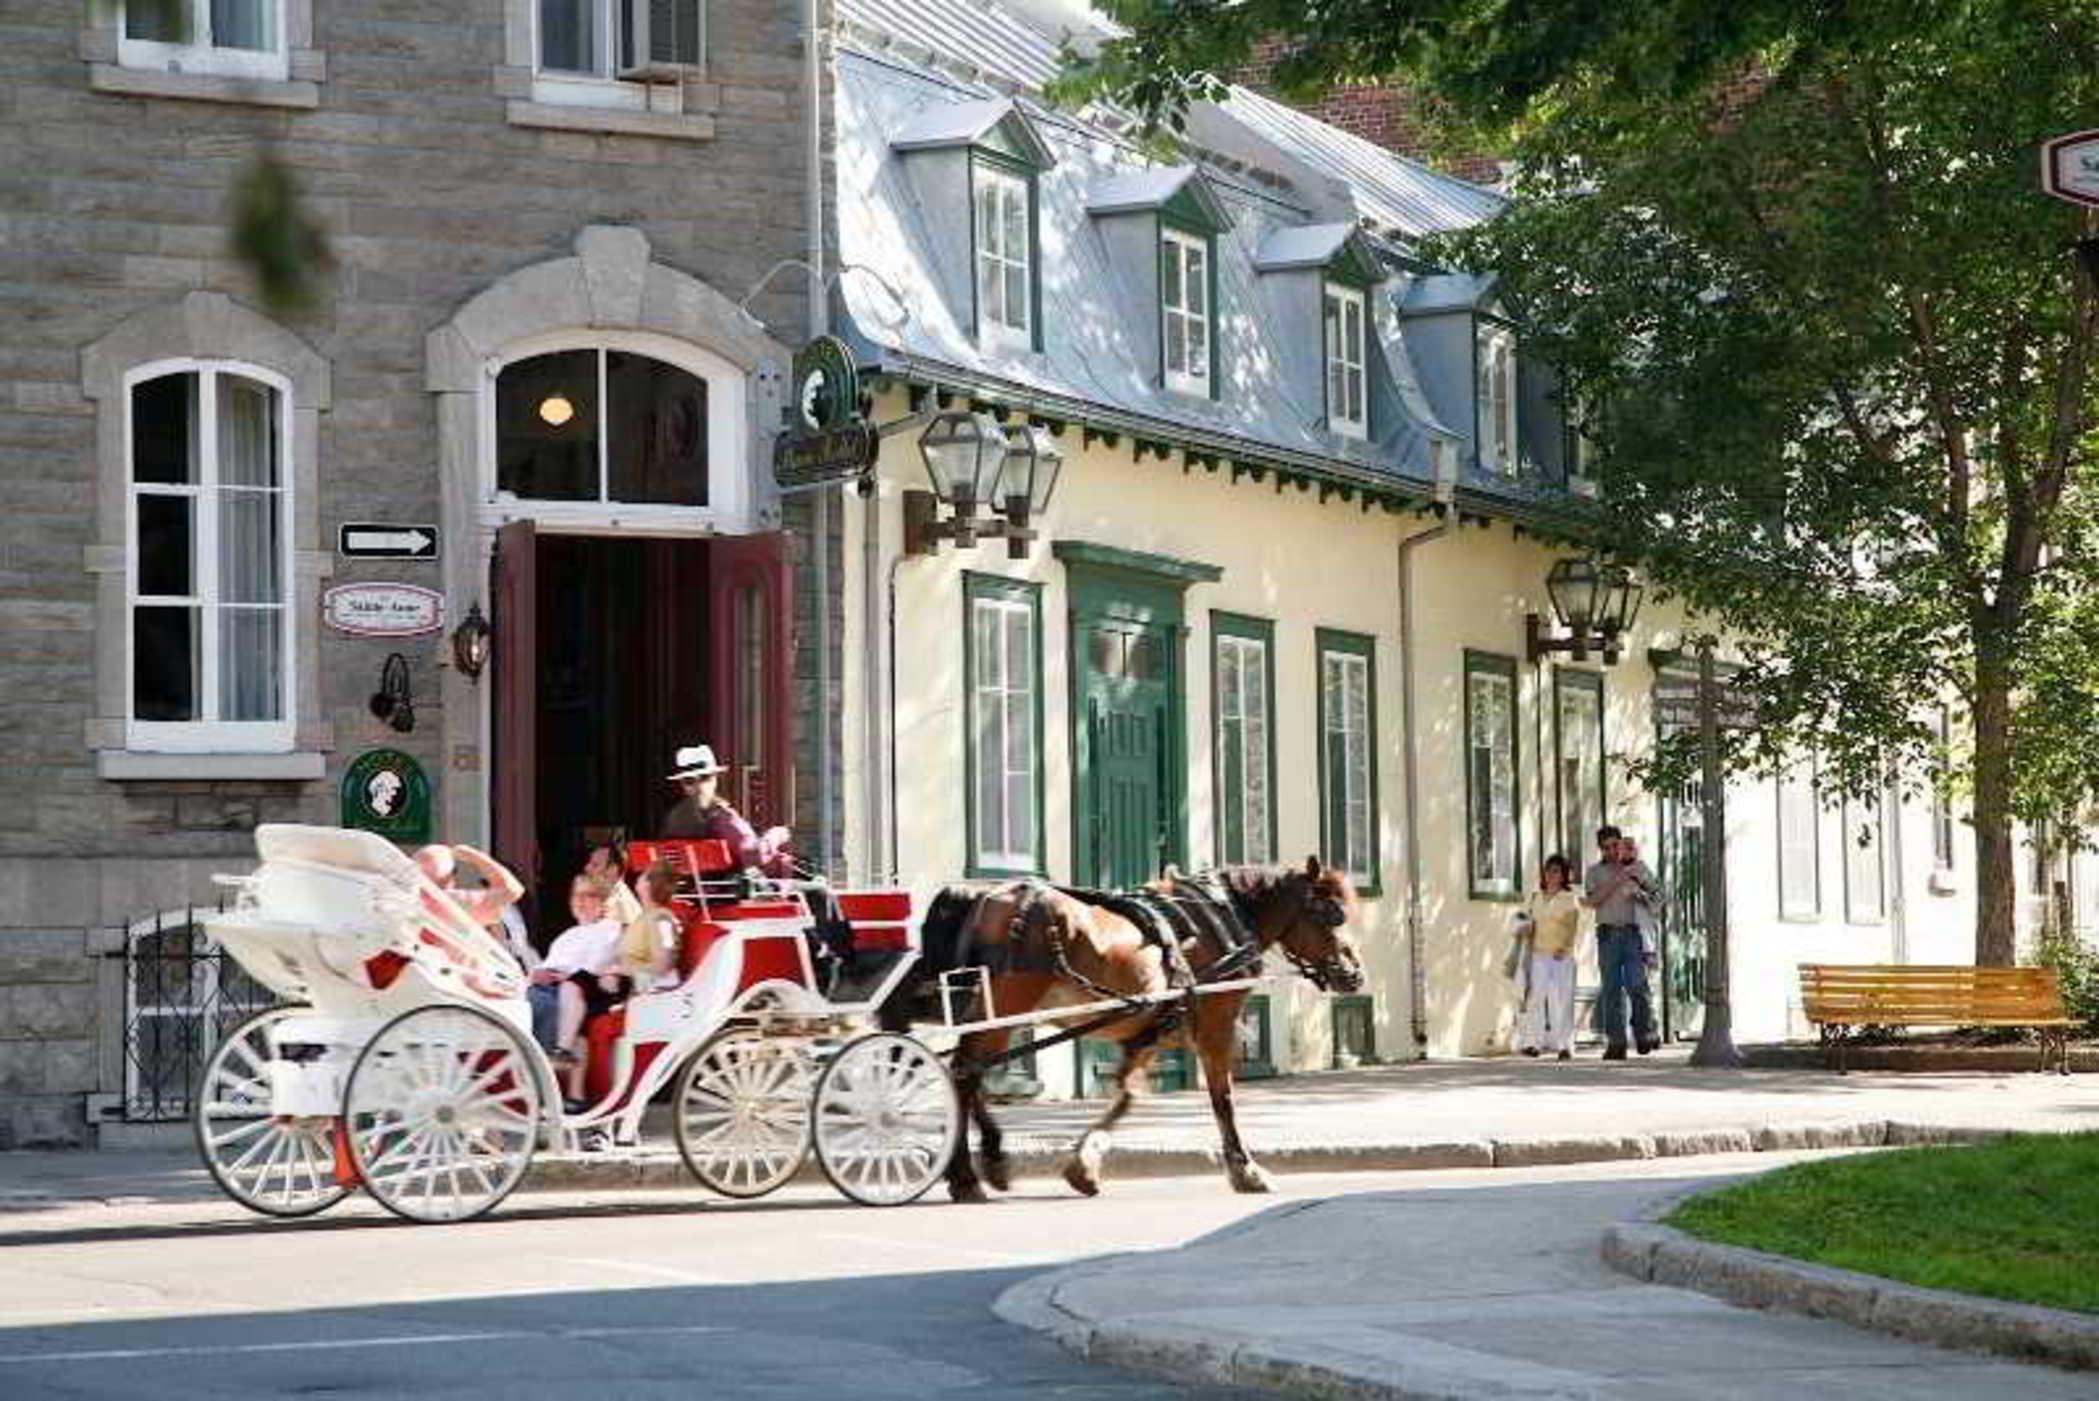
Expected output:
(546, 1012)
(1622, 961)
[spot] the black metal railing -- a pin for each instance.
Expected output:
(182, 995)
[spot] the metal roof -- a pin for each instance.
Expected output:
(1305, 246)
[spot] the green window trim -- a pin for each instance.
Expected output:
(1332, 642)
(1239, 626)
(1256, 1052)
(1499, 665)
(978, 588)
(1354, 1012)
(1567, 680)
(1029, 176)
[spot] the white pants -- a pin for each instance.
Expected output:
(1548, 1017)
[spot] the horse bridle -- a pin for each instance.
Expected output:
(1325, 911)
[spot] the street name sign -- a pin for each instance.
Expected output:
(1676, 705)
(2070, 168)
(370, 540)
(383, 610)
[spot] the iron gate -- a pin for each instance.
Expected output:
(182, 994)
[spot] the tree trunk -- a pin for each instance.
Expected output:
(1996, 880)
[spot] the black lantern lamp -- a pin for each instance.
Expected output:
(1594, 603)
(1026, 483)
(470, 643)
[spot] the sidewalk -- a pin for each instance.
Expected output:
(1489, 1285)
(1475, 1113)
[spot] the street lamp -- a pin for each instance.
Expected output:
(1027, 480)
(974, 461)
(1595, 603)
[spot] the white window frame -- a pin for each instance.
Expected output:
(1496, 406)
(997, 325)
(1347, 358)
(210, 735)
(1799, 793)
(604, 87)
(200, 56)
(1005, 855)
(731, 506)
(1253, 666)
(1855, 855)
(1178, 249)
(1945, 845)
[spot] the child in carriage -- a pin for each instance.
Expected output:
(648, 946)
(578, 979)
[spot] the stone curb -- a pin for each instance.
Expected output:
(1658, 1254)
(2000, 1060)
(1041, 1158)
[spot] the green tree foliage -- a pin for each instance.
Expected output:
(1834, 344)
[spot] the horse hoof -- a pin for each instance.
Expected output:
(996, 1172)
(1252, 1181)
(967, 1192)
(1082, 1181)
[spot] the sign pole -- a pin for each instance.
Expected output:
(1716, 1038)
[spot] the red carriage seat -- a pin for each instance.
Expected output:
(881, 919)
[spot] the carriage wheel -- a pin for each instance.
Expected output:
(743, 1113)
(886, 1119)
(443, 1112)
(272, 1163)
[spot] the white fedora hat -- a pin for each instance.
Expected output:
(696, 761)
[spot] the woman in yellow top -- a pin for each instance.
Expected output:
(1555, 915)
(648, 946)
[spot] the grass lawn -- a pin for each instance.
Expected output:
(2013, 1219)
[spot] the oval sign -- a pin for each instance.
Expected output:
(383, 610)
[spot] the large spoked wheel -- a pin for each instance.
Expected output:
(886, 1119)
(443, 1112)
(743, 1113)
(272, 1163)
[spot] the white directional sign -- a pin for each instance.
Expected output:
(2070, 167)
(369, 541)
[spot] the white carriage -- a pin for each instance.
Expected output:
(403, 1061)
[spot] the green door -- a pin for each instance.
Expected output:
(1128, 764)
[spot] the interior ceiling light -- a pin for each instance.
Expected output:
(556, 410)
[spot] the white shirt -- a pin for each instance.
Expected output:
(585, 948)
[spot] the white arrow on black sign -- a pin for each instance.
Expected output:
(387, 541)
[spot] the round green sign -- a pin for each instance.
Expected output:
(385, 791)
(826, 385)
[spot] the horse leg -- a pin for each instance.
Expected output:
(1216, 1036)
(1082, 1169)
(991, 1152)
(963, 1185)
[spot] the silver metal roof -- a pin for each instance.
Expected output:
(1304, 246)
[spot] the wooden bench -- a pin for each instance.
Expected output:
(1840, 998)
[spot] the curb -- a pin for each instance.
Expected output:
(1658, 1254)
(1038, 1158)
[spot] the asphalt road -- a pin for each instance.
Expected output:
(623, 1295)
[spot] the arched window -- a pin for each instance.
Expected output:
(603, 426)
(209, 566)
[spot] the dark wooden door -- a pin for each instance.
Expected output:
(513, 773)
(1128, 759)
(751, 634)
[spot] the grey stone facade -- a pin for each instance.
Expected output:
(411, 133)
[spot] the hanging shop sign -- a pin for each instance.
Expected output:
(827, 440)
(2070, 167)
(371, 540)
(385, 791)
(383, 610)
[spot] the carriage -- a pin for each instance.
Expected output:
(402, 1061)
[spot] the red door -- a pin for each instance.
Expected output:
(752, 639)
(514, 760)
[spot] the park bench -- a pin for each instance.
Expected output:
(1840, 998)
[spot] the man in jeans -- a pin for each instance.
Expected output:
(1616, 887)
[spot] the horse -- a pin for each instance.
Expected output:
(1043, 947)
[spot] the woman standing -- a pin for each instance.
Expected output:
(1555, 915)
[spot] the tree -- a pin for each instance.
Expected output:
(1831, 347)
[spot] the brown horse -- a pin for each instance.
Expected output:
(1046, 948)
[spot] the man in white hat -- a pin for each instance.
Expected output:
(702, 815)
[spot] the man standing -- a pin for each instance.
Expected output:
(1616, 887)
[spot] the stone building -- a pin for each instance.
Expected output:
(548, 303)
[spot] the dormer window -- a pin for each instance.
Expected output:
(1496, 400)
(1184, 310)
(1347, 403)
(1004, 238)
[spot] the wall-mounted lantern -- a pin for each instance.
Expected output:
(973, 462)
(1595, 604)
(471, 641)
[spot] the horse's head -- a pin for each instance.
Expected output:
(1317, 907)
